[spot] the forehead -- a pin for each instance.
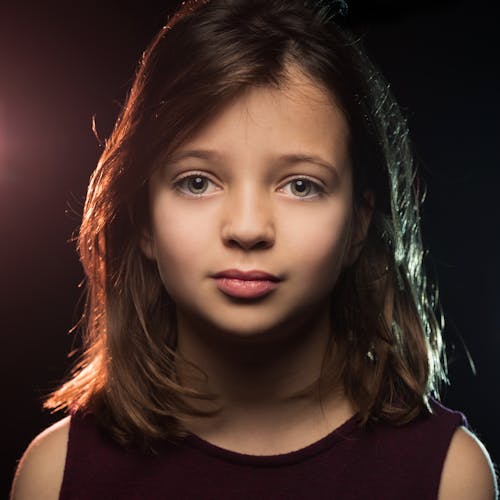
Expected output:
(298, 117)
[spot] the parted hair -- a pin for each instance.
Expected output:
(386, 346)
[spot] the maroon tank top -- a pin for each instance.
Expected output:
(380, 462)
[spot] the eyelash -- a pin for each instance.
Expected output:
(320, 191)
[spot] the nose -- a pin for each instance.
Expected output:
(248, 221)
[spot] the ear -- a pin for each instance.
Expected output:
(359, 227)
(147, 244)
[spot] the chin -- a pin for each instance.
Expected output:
(243, 330)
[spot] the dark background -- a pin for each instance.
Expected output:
(62, 63)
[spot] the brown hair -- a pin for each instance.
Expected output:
(387, 350)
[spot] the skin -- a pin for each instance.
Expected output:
(249, 214)
(256, 353)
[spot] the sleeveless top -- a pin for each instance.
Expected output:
(380, 462)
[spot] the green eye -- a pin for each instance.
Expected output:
(303, 187)
(197, 184)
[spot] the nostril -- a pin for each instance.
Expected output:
(248, 235)
(260, 244)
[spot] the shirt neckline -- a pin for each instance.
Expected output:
(291, 457)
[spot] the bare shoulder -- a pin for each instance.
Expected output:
(41, 468)
(468, 472)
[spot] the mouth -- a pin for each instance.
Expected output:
(246, 284)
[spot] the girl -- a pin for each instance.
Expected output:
(258, 324)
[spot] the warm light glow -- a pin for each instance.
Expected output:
(3, 146)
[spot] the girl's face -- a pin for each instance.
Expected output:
(266, 185)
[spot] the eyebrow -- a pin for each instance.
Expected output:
(286, 159)
(293, 158)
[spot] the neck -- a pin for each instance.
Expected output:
(256, 379)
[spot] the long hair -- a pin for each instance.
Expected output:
(386, 348)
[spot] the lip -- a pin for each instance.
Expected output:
(247, 275)
(246, 284)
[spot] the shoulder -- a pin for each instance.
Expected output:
(41, 468)
(468, 472)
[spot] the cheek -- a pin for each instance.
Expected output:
(317, 247)
(181, 241)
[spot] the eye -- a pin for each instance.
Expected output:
(302, 187)
(193, 184)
